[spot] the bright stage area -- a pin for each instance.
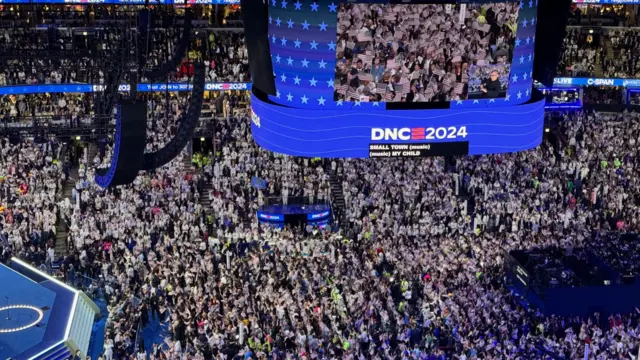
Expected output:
(40, 317)
(19, 327)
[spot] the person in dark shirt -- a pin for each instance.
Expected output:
(491, 87)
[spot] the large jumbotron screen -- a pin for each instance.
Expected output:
(399, 78)
(424, 52)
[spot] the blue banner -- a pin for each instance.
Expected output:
(270, 217)
(258, 183)
(123, 2)
(370, 131)
(562, 81)
(86, 88)
(318, 216)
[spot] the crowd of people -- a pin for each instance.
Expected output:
(415, 272)
(226, 56)
(624, 61)
(580, 55)
(421, 53)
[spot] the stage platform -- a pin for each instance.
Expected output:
(40, 317)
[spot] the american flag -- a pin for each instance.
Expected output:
(446, 83)
(459, 88)
(482, 54)
(351, 93)
(342, 89)
(439, 72)
(389, 95)
(406, 87)
(381, 87)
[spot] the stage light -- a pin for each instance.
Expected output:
(201, 139)
(546, 130)
(84, 33)
(32, 324)
(77, 137)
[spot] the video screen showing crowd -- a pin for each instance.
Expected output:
(424, 53)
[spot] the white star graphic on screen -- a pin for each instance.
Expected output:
(78, 88)
(514, 78)
(278, 58)
(530, 74)
(357, 103)
(332, 45)
(314, 44)
(333, 7)
(305, 25)
(304, 99)
(273, 2)
(283, 78)
(530, 3)
(376, 103)
(521, 59)
(289, 61)
(459, 102)
(278, 94)
(321, 100)
(521, 4)
(528, 40)
(297, 43)
(296, 80)
(284, 4)
(330, 83)
(270, 20)
(297, 4)
(283, 41)
(273, 39)
(518, 42)
(314, 7)
(533, 21)
(527, 92)
(305, 63)
(278, 21)
(290, 24)
(289, 97)
(524, 76)
(323, 26)
(519, 94)
(492, 100)
(339, 103)
(476, 102)
(507, 97)
(530, 57)
(524, 23)
(322, 64)
(313, 81)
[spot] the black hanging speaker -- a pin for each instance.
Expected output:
(128, 147)
(552, 17)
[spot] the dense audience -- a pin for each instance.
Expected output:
(580, 55)
(624, 61)
(224, 287)
(226, 56)
(416, 272)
